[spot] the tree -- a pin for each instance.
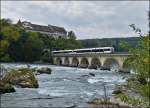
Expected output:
(71, 35)
(29, 45)
(8, 34)
(139, 82)
(139, 61)
(5, 22)
(46, 56)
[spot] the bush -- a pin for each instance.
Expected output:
(132, 101)
(6, 58)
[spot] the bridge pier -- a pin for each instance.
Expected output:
(70, 61)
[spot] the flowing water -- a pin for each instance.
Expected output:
(65, 87)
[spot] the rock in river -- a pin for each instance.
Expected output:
(92, 74)
(21, 77)
(44, 70)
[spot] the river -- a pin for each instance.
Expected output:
(65, 87)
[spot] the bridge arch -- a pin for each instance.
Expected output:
(58, 61)
(84, 63)
(95, 63)
(66, 61)
(111, 62)
(75, 62)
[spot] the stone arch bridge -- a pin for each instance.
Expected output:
(92, 60)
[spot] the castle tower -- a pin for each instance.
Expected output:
(19, 23)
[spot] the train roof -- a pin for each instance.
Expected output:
(84, 49)
(94, 48)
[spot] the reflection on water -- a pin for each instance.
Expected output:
(65, 87)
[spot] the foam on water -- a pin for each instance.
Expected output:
(88, 93)
(93, 80)
(54, 92)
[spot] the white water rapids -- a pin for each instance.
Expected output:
(66, 86)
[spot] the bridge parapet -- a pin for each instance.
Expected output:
(90, 54)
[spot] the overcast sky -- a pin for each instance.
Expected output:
(88, 19)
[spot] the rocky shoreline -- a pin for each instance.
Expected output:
(24, 78)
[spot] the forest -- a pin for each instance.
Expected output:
(18, 45)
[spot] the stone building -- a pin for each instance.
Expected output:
(49, 30)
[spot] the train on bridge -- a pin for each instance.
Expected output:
(86, 50)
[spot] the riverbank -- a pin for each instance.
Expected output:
(133, 93)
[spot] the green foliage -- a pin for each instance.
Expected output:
(132, 101)
(8, 34)
(5, 22)
(139, 59)
(135, 85)
(46, 57)
(71, 35)
(144, 90)
(6, 58)
(139, 62)
(29, 45)
(61, 43)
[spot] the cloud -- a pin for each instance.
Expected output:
(88, 19)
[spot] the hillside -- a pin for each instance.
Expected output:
(115, 42)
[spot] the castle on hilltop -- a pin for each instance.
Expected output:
(50, 30)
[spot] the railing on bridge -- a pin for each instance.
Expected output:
(89, 54)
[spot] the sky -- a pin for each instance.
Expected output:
(88, 19)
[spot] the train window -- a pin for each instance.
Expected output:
(55, 52)
(106, 49)
(95, 50)
(80, 51)
(62, 52)
(86, 50)
(101, 50)
(77, 51)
